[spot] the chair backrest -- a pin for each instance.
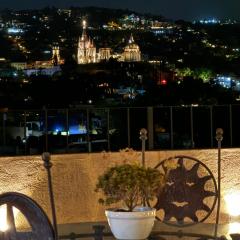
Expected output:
(190, 193)
(41, 227)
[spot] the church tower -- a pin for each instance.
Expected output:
(86, 49)
(55, 55)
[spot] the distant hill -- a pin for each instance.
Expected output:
(107, 14)
(94, 14)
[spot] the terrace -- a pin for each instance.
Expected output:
(74, 174)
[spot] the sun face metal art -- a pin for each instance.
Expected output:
(190, 194)
(41, 227)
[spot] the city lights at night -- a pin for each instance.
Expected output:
(78, 57)
(147, 89)
(171, 9)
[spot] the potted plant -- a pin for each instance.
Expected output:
(133, 186)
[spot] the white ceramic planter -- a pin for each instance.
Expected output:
(131, 225)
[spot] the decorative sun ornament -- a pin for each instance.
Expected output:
(190, 193)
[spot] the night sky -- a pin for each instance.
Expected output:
(175, 9)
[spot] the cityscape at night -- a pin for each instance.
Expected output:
(96, 84)
(108, 57)
(120, 60)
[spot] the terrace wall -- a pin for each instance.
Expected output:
(75, 175)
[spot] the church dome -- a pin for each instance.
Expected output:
(132, 45)
(132, 51)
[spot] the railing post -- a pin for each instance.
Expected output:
(219, 138)
(171, 127)
(25, 132)
(108, 128)
(150, 127)
(46, 128)
(98, 232)
(143, 137)
(4, 128)
(89, 147)
(67, 128)
(230, 125)
(191, 126)
(211, 124)
(47, 164)
(128, 127)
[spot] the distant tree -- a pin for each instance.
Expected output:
(204, 74)
(184, 72)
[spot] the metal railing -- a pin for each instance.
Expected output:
(97, 129)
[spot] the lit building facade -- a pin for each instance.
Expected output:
(104, 54)
(132, 52)
(56, 55)
(86, 52)
(19, 65)
(48, 67)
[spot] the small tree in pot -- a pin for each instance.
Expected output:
(131, 185)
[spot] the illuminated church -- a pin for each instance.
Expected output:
(131, 52)
(86, 51)
(56, 59)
